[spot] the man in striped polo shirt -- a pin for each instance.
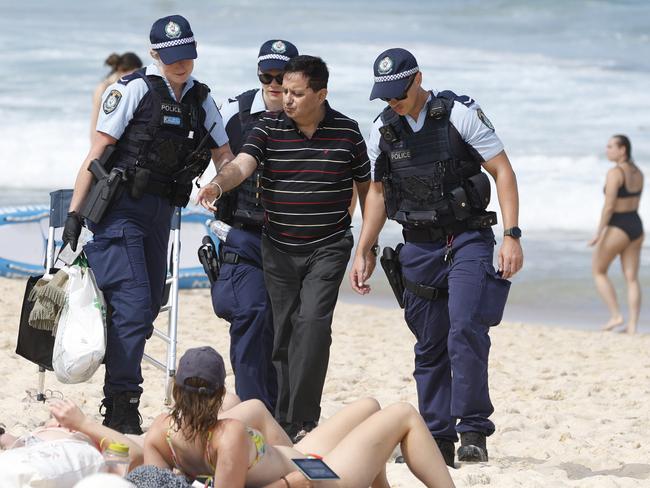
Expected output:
(312, 156)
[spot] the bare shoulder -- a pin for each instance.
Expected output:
(229, 431)
(615, 175)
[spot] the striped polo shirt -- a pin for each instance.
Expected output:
(307, 182)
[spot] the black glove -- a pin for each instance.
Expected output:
(72, 229)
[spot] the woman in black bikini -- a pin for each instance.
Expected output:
(620, 232)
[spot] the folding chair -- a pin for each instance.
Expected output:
(59, 204)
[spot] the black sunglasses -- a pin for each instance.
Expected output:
(267, 78)
(403, 95)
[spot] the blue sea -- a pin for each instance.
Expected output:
(556, 78)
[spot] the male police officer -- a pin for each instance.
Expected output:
(239, 295)
(312, 154)
(426, 151)
(157, 118)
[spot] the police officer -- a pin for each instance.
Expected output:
(426, 150)
(157, 118)
(239, 295)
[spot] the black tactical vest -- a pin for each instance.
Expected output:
(428, 179)
(242, 207)
(163, 135)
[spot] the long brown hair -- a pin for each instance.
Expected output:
(196, 414)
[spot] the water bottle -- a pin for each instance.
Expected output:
(220, 229)
(116, 457)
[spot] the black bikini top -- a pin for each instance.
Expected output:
(623, 192)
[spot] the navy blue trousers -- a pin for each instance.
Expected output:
(239, 296)
(451, 352)
(128, 256)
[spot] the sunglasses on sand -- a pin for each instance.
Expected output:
(403, 95)
(267, 78)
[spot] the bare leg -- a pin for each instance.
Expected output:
(329, 433)
(630, 258)
(7, 440)
(254, 414)
(611, 244)
(363, 453)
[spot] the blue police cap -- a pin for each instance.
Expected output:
(275, 54)
(393, 68)
(172, 38)
(204, 363)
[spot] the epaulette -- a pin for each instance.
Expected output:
(126, 79)
(464, 99)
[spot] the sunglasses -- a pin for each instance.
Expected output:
(403, 95)
(266, 78)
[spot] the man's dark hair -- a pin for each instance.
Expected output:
(312, 68)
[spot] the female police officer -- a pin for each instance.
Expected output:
(155, 119)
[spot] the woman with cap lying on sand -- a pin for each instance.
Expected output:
(355, 443)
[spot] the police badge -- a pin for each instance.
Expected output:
(172, 30)
(278, 47)
(112, 101)
(483, 118)
(385, 66)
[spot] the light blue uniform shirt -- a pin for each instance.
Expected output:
(118, 108)
(230, 109)
(465, 117)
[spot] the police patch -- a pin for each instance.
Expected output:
(483, 118)
(385, 66)
(172, 30)
(112, 101)
(278, 47)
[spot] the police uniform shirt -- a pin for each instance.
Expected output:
(229, 110)
(121, 100)
(466, 117)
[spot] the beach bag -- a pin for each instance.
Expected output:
(49, 464)
(80, 341)
(35, 345)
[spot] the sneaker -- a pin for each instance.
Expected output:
(107, 413)
(125, 417)
(446, 449)
(472, 448)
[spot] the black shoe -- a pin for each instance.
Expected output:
(304, 430)
(107, 406)
(472, 448)
(446, 449)
(125, 417)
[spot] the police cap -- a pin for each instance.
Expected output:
(393, 68)
(172, 38)
(275, 54)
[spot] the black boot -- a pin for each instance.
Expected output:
(125, 417)
(472, 448)
(107, 405)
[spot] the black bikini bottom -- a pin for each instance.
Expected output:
(628, 222)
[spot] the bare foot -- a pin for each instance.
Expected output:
(613, 323)
(631, 329)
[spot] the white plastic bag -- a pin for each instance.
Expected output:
(80, 341)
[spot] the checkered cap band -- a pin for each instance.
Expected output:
(397, 76)
(175, 42)
(273, 56)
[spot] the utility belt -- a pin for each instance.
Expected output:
(234, 258)
(256, 228)
(433, 234)
(390, 263)
(140, 181)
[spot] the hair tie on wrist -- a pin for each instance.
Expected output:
(220, 189)
(286, 482)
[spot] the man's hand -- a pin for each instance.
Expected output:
(511, 257)
(207, 196)
(362, 269)
(72, 229)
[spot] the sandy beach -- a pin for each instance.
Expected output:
(570, 406)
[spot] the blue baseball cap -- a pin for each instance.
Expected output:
(275, 54)
(393, 68)
(172, 38)
(204, 363)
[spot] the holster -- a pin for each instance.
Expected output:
(390, 263)
(103, 191)
(209, 258)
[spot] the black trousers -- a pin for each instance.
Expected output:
(303, 289)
